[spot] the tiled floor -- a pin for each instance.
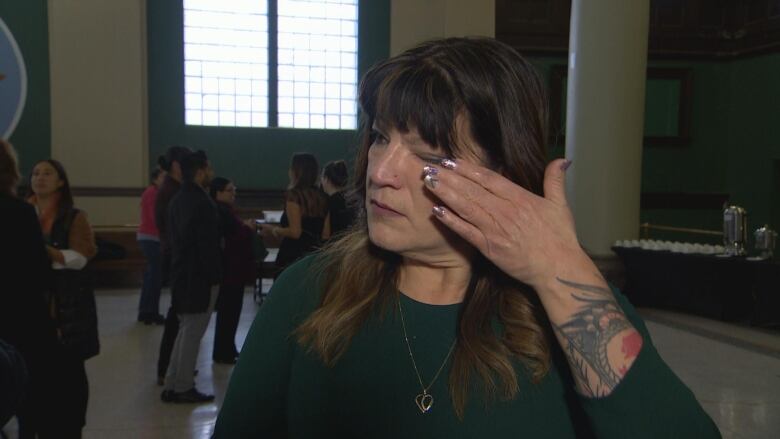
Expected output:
(734, 372)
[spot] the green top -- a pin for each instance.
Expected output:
(279, 390)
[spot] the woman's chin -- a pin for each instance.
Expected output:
(383, 238)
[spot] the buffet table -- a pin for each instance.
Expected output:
(732, 289)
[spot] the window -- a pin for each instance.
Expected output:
(228, 63)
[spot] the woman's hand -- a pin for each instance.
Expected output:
(268, 231)
(533, 239)
(525, 235)
(54, 254)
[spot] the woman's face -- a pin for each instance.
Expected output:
(228, 195)
(45, 179)
(398, 207)
(160, 179)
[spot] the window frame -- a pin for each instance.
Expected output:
(273, 73)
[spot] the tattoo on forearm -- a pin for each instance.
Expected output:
(587, 334)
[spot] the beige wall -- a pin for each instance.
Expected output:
(97, 52)
(414, 21)
(98, 85)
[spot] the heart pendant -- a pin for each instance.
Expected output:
(424, 402)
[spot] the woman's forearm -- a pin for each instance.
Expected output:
(599, 341)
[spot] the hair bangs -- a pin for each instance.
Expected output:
(419, 97)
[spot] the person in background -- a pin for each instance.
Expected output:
(25, 279)
(334, 182)
(170, 162)
(196, 270)
(304, 212)
(149, 240)
(70, 245)
(238, 267)
(13, 381)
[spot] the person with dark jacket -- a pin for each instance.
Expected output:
(26, 277)
(13, 381)
(70, 244)
(238, 264)
(171, 164)
(196, 270)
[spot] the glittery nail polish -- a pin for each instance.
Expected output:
(448, 163)
(565, 165)
(430, 170)
(438, 211)
(431, 181)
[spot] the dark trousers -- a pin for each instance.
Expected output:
(150, 291)
(229, 304)
(168, 339)
(57, 407)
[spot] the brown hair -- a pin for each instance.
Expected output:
(9, 169)
(303, 190)
(66, 195)
(428, 88)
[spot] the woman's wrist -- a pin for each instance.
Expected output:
(551, 286)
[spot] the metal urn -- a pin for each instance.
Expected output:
(734, 231)
(765, 241)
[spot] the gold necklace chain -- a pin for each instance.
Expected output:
(424, 400)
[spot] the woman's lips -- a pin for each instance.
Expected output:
(383, 209)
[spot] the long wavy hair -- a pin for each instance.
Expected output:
(304, 173)
(428, 88)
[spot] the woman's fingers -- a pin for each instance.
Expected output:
(469, 201)
(488, 179)
(467, 231)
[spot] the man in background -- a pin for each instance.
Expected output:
(193, 234)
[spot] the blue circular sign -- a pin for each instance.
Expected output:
(13, 82)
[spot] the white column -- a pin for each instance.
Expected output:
(605, 118)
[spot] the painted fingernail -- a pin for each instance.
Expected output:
(430, 170)
(449, 163)
(565, 165)
(439, 211)
(431, 181)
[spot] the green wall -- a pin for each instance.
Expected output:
(253, 157)
(734, 147)
(28, 22)
(754, 136)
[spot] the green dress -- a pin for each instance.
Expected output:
(279, 390)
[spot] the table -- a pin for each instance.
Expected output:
(730, 289)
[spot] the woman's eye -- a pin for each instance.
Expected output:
(432, 159)
(378, 138)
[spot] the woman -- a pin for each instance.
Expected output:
(148, 237)
(170, 162)
(70, 244)
(26, 276)
(304, 212)
(340, 216)
(463, 305)
(238, 269)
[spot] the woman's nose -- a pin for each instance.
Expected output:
(385, 166)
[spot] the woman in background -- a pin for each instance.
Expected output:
(238, 269)
(149, 240)
(70, 244)
(334, 182)
(304, 212)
